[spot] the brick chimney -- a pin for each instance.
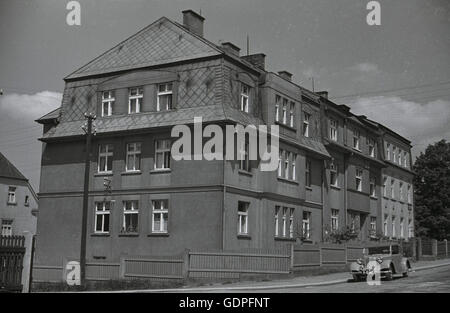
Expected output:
(286, 75)
(323, 94)
(231, 48)
(193, 22)
(258, 60)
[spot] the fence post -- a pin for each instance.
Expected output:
(292, 258)
(434, 248)
(122, 268)
(27, 262)
(446, 248)
(419, 248)
(186, 260)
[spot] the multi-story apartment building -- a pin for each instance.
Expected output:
(166, 75)
(397, 201)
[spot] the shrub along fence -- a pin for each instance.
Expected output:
(233, 264)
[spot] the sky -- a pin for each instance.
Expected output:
(397, 73)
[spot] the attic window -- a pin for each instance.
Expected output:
(245, 92)
(164, 101)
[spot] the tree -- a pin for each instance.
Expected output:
(432, 191)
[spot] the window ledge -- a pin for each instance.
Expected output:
(335, 187)
(26, 204)
(284, 239)
(374, 197)
(129, 235)
(158, 235)
(286, 126)
(99, 174)
(160, 171)
(246, 173)
(289, 181)
(100, 235)
(11, 203)
(244, 236)
(131, 173)
(308, 188)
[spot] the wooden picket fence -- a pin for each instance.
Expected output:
(227, 264)
(12, 251)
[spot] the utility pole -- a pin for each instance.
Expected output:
(88, 129)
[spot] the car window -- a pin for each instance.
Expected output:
(379, 250)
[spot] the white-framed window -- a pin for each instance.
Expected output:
(105, 158)
(388, 151)
(371, 147)
(160, 216)
(402, 228)
(287, 156)
(284, 222)
(358, 179)
(373, 226)
(280, 163)
(291, 223)
(285, 105)
(277, 226)
(277, 107)
(409, 194)
(244, 164)
(108, 100)
(245, 97)
(373, 183)
(135, 96)
(400, 191)
(399, 157)
(133, 159)
(308, 173)
(130, 216)
(356, 139)
(333, 129)
(405, 159)
(394, 233)
(243, 218)
(394, 154)
(306, 120)
(334, 175)
(385, 225)
(410, 228)
(102, 214)
(334, 220)
(293, 166)
(164, 99)
(12, 194)
(392, 188)
(162, 154)
(306, 225)
(7, 229)
(384, 186)
(291, 114)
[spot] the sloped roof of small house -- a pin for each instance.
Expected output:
(8, 170)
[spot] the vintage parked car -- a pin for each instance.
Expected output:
(390, 259)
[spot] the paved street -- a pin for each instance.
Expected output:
(436, 279)
(431, 280)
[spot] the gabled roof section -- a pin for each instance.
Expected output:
(7, 169)
(49, 117)
(161, 42)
